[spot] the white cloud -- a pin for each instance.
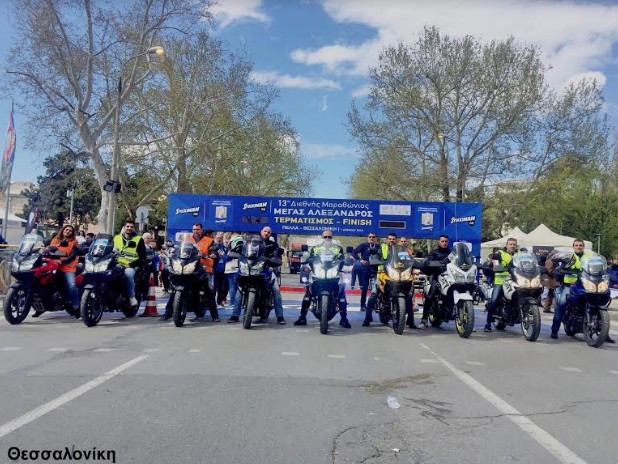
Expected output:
(574, 37)
(322, 151)
(229, 11)
(294, 82)
(588, 76)
(361, 92)
(324, 103)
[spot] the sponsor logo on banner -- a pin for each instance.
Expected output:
(221, 212)
(195, 210)
(396, 210)
(470, 220)
(261, 206)
(427, 221)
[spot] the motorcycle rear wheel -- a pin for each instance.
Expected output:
(91, 308)
(531, 321)
(16, 305)
(323, 308)
(597, 331)
(464, 321)
(247, 318)
(179, 310)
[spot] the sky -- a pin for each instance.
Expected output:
(319, 52)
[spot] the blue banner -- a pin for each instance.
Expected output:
(310, 216)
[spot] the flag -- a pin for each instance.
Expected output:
(9, 155)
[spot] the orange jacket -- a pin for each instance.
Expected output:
(204, 244)
(68, 264)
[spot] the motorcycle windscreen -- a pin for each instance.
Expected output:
(398, 257)
(460, 256)
(525, 262)
(30, 243)
(186, 250)
(254, 247)
(101, 247)
(594, 264)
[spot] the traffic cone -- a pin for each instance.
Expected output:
(151, 300)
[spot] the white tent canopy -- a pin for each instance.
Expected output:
(12, 219)
(541, 236)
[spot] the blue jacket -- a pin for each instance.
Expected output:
(362, 251)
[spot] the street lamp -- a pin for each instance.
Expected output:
(112, 186)
(598, 243)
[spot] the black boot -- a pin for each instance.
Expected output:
(302, 320)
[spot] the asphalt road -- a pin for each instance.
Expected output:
(215, 393)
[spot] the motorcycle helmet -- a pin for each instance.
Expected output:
(236, 244)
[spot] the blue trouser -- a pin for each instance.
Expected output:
(69, 279)
(491, 306)
(562, 295)
(364, 277)
(343, 302)
(129, 279)
(276, 295)
(231, 280)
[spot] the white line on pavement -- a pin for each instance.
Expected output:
(375, 358)
(103, 350)
(613, 372)
(337, 356)
(11, 348)
(476, 363)
(502, 340)
(289, 353)
(302, 330)
(543, 438)
(194, 350)
(151, 350)
(58, 350)
(426, 360)
(65, 398)
(570, 369)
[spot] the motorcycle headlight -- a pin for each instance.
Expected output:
(536, 282)
(459, 277)
(189, 268)
(243, 267)
(14, 266)
(177, 266)
(471, 278)
(318, 271)
(257, 268)
(407, 274)
(25, 265)
(603, 286)
(522, 281)
(589, 286)
(101, 266)
(392, 273)
(332, 273)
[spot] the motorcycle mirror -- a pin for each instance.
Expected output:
(349, 249)
(304, 247)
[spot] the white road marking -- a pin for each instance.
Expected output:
(65, 398)
(166, 327)
(570, 369)
(302, 330)
(375, 358)
(151, 350)
(11, 348)
(234, 328)
(429, 360)
(337, 356)
(476, 363)
(613, 372)
(194, 350)
(103, 350)
(502, 340)
(543, 438)
(289, 353)
(58, 350)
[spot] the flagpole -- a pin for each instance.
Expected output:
(7, 165)
(5, 223)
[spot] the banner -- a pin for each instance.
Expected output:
(9, 155)
(310, 216)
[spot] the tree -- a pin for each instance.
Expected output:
(456, 111)
(67, 60)
(65, 171)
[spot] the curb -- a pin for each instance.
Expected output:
(291, 289)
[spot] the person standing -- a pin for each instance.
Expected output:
(362, 253)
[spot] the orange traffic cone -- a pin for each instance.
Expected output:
(151, 300)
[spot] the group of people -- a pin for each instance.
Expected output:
(220, 264)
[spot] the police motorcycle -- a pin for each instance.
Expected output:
(519, 303)
(454, 291)
(104, 285)
(586, 305)
(323, 277)
(394, 286)
(189, 281)
(255, 279)
(39, 282)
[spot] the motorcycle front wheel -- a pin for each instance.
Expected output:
(597, 330)
(399, 315)
(530, 321)
(247, 318)
(323, 308)
(179, 309)
(464, 321)
(91, 308)
(16, 305)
